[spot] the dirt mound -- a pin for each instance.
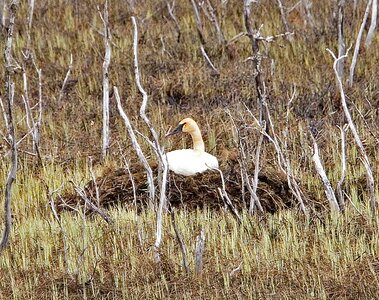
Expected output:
(116, 186)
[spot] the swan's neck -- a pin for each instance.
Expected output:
(198, 143)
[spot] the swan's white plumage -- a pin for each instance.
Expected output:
(189, 162)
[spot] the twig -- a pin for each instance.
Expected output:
(357, 44)
(61, 93)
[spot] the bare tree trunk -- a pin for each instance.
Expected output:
(256, 60)
(107, 59)
(3, 6)
(9, 87)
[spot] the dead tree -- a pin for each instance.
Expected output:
(159, 151)
(256, 61)
(9, 91)
(200, 32)
(357, 139)
(283, 16)
(107, 59)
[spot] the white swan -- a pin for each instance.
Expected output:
(189, 162)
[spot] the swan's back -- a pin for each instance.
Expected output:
(189, 162)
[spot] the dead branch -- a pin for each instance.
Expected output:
(29, 28)
(91, 206)
(61, 93)
(107, 59)
(208, 60)
(94, 181)
(137, 148)
(256, 61)
(200, 241)
(358, 141)
(199, 27)
(324, 178)
(9, 88)
(182, 245)
(170, 9)
(224, 195)
(211, 14)
(341, 42)
(357, 44)
(159, 151)
(340, 193)
(374, 17)
(284, 19)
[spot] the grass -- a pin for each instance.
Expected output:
(281, 256)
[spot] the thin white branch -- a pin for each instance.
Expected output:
(374, 17)
(61, 93)
(357, 44)
(324, 178)
(137, 148)
(340, 193)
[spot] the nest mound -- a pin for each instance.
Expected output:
(129, 189)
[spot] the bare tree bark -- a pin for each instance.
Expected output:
(341, 41)
(107, 59)
(357, 44)
(374, 17)
(256, 60)
(29, 27)
(9, 88)
(358, 141)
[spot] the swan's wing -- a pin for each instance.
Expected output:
(185, 162)
(210, 161)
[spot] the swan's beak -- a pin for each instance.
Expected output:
(176, 130)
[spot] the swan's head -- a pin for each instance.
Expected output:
(185, 125)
